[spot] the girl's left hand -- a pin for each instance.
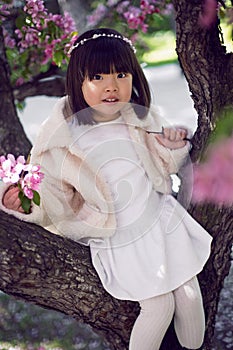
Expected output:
(172, 138)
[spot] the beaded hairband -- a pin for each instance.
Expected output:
(96, 36)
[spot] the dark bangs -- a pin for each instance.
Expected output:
(107, 55)
(103, 55)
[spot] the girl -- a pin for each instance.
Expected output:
(107, 184)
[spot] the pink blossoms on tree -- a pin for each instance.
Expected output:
(213, 179)
(41, 38)
(27, 176)
(136, 15)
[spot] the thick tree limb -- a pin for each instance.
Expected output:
(56, 273)
(51, 86)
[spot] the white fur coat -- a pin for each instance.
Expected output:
(70, 181)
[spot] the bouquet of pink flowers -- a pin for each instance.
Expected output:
(26, 176)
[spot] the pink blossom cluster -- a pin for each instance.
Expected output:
(136, 16)
(9, 41)
(213, 179)
(37, 33)
(37, 10)
(31, 181)
(11, 168)
(28, 37)
(4, 11)
(16, 171)
(48, 33)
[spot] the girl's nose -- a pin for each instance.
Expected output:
(111, 85)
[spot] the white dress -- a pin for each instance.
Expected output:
(157, 245)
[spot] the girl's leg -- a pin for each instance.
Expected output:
(189, 319)
(152, 322)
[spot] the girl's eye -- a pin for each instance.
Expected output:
(121, 75)
(97, 77)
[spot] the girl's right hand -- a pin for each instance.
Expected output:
(11, 199)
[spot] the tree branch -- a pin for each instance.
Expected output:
(51, 86)
(56, 273)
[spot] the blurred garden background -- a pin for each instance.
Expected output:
(24, 326)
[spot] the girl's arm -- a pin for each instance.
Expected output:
(59, 206)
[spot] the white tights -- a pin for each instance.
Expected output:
(185, 304)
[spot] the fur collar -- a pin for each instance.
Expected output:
(60, 135)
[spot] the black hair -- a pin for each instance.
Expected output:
(103, 56)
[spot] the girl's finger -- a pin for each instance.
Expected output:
(166, 133)
(170, 134)
(182, 133)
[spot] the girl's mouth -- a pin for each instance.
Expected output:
(110, 100)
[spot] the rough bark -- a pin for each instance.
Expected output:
(12, 136)
(208, 70)
(52, 85)
(57, 273)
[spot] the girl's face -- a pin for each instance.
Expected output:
(106, 93)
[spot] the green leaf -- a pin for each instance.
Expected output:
(20, 105)
(21, 19)
(25, 202)
(58, 57)
(20, 195)
(224, 126)
(36, 198)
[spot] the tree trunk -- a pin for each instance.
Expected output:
(12, 136)
(206, 66)
(57, 273)
(209, 72)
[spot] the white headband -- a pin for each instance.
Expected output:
(96, 36)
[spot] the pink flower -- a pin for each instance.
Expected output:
(27, 176)
(10, 168)
(49, 33)
(136, 17)
(33, 177)
(28, 192)
(213, 179)
(4, 11)
(9, 42)
(19, 81)
(36, 9)
(147, 7)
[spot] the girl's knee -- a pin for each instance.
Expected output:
(188, 296)
(152, 323)
(163, 304)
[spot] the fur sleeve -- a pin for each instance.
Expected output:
(171, 160)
